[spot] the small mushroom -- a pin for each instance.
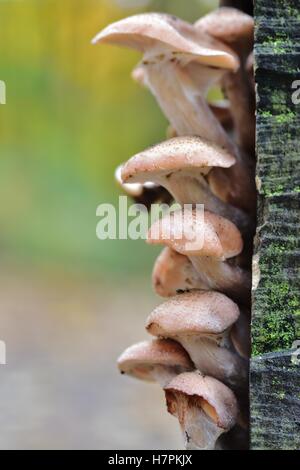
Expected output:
(201, 322)
(173, 273)
(235, 29)
(146, 193)
(174, 55)
(181, 165)
(155, 361)
(209, 241)
(180, 64)
(205, 409)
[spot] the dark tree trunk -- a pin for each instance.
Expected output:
(275, 362)
(244, 5)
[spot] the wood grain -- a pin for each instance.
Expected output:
(275, 379)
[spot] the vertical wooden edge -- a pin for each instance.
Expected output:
(274, 368)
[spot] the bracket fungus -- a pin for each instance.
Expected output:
(154, 361)
(205, 409)
(208, 241)
(201, 322)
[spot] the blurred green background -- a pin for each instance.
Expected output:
(72, 115)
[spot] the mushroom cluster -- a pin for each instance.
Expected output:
(201, 349)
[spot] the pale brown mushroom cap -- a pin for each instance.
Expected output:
(133, 190)
(227, 24)
(138, 75)
(177, 154)
(148, 31)
(217, 395)
(140, 359)
(220, 238)
(193, 313)
(170, 272)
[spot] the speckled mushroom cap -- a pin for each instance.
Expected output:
(227, 24)
(139, 360)
(193, 313)
(172, 272)
(147, 32)
(177, 154)
(220, 238)
(204, 390)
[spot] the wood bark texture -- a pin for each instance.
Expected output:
(275, 363)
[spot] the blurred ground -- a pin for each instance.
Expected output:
(60, 388)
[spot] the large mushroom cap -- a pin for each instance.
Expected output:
(193, 313)
(215, 398)
(177, 154)
(188, 233)
(148, 31)
(140, 359)
(227, 24)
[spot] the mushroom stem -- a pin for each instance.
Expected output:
(214, 358)
(220, 275)
(204, 407)
(183, 103)
(198, 429)
(163, 375)
(185, 107)
(193, 189)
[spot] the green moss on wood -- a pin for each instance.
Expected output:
(276, 324)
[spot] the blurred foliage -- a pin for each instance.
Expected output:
(72, 115)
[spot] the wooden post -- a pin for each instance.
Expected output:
(275, 363)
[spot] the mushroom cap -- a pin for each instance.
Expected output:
(181, 230)
(193, 313)
(132, 189)
(139, 360)
(172, 272)
(212, 391)
(177, 154)
(139, 75)
(227, 24)
(250, 63)
(150, 30)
